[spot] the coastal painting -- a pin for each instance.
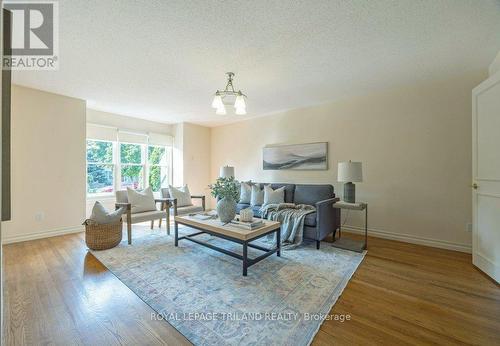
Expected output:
(309, 156)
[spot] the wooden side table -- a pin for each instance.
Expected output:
(349, 244)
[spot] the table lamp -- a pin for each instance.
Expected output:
(349, 172)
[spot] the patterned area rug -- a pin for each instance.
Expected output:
(203, 294)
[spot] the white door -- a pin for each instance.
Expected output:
(486, 176)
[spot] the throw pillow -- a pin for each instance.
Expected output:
(182, 194)
(246, 192)
(274, 196)
(141, 201)
(257, 196)
(102, 217)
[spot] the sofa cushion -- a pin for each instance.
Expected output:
(147, 216)
(245, 192)
(289, 189)
(189, 209)
(310, 220)
(257, 196)
(240, 206)
(311, 194)
(103, 217)
(182, 195)
(141, 201)
(274, 196)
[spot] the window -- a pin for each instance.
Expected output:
(132, 166)
(159, 168)
(114, 166)
(100, 167)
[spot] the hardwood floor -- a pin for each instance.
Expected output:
(57, 293)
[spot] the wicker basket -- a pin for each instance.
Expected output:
(102, 237)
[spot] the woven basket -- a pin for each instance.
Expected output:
(102, 237)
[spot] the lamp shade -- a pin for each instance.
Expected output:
(226, 172)
(349, 171)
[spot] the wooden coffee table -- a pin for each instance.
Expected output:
(241, 236)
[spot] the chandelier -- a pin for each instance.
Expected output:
(228, 97)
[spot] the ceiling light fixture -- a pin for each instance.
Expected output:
(229, 96)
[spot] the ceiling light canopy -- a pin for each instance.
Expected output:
(229, 96)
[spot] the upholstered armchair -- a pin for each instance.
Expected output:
(182, 210)
(131, 218)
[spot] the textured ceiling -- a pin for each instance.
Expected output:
(163, 60)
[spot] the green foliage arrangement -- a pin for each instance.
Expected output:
(228, 188)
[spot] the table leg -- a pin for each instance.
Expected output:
(366, 227)
(340, 225)
(278, 242)
(245, 258)
(176, 229)
(167, 209)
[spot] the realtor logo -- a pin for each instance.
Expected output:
(32, 36)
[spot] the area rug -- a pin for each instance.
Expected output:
(202, 293)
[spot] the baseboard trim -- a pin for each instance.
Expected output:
(409, 239)
(42, 234)
(487, 266)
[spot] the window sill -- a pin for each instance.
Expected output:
(100, 197)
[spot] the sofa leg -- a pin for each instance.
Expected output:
(317, 244)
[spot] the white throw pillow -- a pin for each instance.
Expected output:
(182, 194)
(257, 196)
(274, 196)
(141, 201)
(102, 217)
(245, 193)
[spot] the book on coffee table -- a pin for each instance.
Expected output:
(248, 225)
(207, 215)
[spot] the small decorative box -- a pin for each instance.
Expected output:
(246, 215)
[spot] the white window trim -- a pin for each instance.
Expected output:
(117, 165)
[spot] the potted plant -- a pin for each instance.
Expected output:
(227, 193)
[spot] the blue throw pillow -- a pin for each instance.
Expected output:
(257, 196)
(245, 192)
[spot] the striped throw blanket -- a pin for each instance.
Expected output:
(291, 216)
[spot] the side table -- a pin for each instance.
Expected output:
(349, 244)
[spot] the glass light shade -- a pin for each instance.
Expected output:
(217, 102)
(240, 102)
(221, 110)
(241, 111)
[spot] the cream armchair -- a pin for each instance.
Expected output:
(131, 218)
(184, 209)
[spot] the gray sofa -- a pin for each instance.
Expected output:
(317, 225)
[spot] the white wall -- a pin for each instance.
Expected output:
(197, 155)
(414, 142)
(48, 165)
(178, 155)
(127, 123)
(192, 158)
(495, 65)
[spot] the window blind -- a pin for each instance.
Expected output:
(101, 133)
(160, 139)
(131, 137)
